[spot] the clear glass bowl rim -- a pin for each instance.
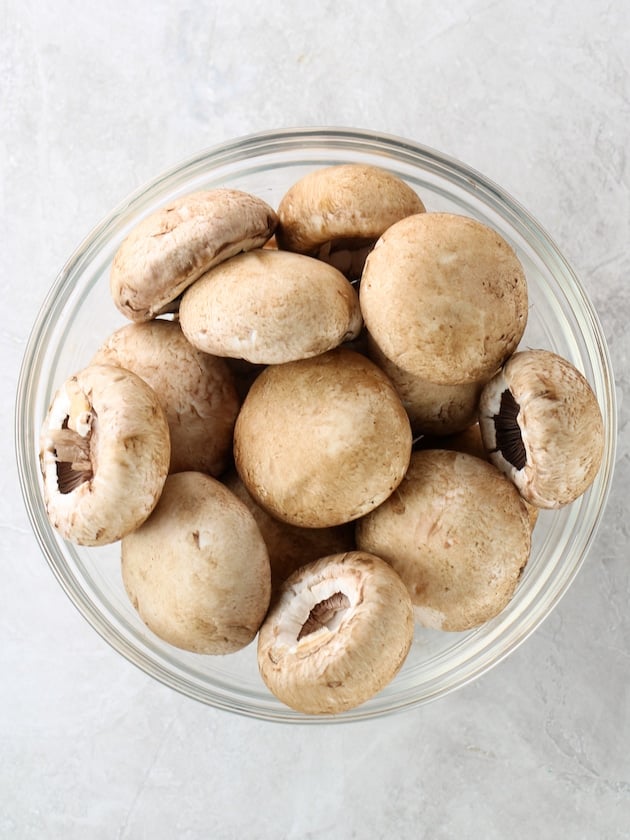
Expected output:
(297, 140)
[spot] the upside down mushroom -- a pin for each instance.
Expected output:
(542, 426)
(104, 455)
(338, 632)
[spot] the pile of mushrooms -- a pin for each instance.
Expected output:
(318, 429)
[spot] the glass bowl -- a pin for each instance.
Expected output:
(78, 314)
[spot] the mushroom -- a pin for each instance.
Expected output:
(542, 426)
(104, 455)
(173, 246)
(337, 213)
(196, 390)
(321, 441)
(469, 440)
(457, 532)
(432, 409)
(339, 632)
(270, 307)
(456, 293)
(290, 547)
(197, 571)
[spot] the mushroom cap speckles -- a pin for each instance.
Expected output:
(196, 390)
(321, 441)
(270, 307)
(559, 427)
(176, 244)
(458, 534)
(455, 291)
(116, 418)
(338, 632)
(343, 208)
(197, 571)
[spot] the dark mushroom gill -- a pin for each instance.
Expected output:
(323, 612)
(508, 432)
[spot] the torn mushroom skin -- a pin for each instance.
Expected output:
(104, 455)
(542, 426)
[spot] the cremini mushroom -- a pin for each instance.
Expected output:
(542, 426)
(337, 213)
(270, 307)
(321, 441)
(444, 297)
(457, 532)
(290, 547)
(469, 441)
(176, 244)
(196, 390)
(337, 634)
(433, 409)
(104, 455)
(197, 571)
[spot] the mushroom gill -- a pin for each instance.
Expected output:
(509, 441)
(323, 613)
(72, 454)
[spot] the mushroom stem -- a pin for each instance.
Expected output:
(72, 454)
(323, 612)
(508, 432)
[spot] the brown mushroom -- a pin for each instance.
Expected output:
(176, 244)
(321, 441)
(197, 571)
(104, 455)
(196, 390)
(337, 213)
(337, 634)
(270, 307)
(455, 292)
(457, 532)
(542, 426)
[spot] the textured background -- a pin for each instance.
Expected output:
(96, 99)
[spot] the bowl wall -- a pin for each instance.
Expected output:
(78, 314)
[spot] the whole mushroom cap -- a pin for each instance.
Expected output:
(270, 307)
(321, 441)
(455, 291)
(197, 571)
(458, 534)
(340, 209)
(196, 390)
(542, 426)
(172, 247)
(104, 455)
(338, 632)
